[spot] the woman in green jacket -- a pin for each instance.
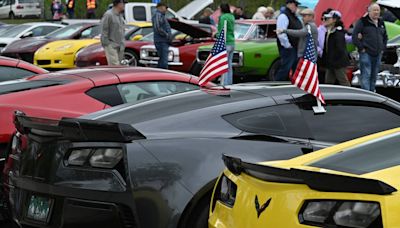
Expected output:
(229, 18)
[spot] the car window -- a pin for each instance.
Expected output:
(46, 30)
(106, 94)
(132, 92)
(15, 31)
(12, 73)
(241, 30)
(368, 157)
(139, 13)
(343, 121)
(90, 32)
(281, 120)
(66, 31)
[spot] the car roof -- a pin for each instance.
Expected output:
(213, 98)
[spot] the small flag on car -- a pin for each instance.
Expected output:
(216, 63)
(306, 75)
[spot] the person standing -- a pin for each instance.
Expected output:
(239, 14)
(335, 57)
(264, 13)
(112, 33)
(206, 17)
(227, 19)
(162, 34)
(370, 37)
(309, 26)
(57, 10)
(70, 8)
(91, 6)
(287, 44)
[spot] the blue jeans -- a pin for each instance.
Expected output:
(162, 52)
(369, 67)
(288, 62)
(227, 78)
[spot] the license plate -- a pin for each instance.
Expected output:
(39, 208)
(29, 6)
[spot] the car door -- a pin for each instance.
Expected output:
(347, 119)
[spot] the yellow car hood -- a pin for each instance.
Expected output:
(66, 46)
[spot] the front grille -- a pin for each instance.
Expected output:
(203, 55)
(44, 62)
(127, 218)
(153, 54)
(236, 58)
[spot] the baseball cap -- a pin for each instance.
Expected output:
(333, 14)
(293, 1)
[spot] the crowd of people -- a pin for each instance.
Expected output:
(330, 39)
(60, 10)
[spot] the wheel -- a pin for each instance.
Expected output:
(273, 69)
(199, 217)
(131, 58)
(11, 15)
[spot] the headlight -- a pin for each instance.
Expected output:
(225, 192)
(351, 214)
(143, 53)
(106, 158)
(170, 56)
(95, 157)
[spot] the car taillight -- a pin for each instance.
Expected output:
(95, 157)
(20, 7)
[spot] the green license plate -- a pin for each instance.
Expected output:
(39, 208)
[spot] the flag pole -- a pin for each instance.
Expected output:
(319, 109)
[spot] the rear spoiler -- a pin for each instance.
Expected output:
(315, 180)
(76, 129)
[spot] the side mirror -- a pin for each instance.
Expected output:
(137, 37)
(27, 34)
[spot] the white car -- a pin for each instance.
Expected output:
(19, 8)
(27, 30)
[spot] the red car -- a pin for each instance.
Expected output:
(72, 93)
(186, 36)
(12, 69)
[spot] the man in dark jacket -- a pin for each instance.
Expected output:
(162, 34)
(370, 37)
(288, 44)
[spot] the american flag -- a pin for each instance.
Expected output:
(306, 75)
(216, 63)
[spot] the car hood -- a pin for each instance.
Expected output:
(392, 5)
(191, 30)
(193, 8)
(66, 46)
(26, 44)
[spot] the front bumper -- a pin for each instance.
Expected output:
(57, 61)
(385, 79)
(154, 63)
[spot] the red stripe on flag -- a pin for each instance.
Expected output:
(211, 59)
(214, 61)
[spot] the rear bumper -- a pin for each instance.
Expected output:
(71, 207)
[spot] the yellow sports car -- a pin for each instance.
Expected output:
(350, 185)
(61, 54)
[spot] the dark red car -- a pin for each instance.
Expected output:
(72, 93)
(12, 69)
(25, 48)
(186, 37)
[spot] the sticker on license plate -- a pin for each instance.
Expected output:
(39, 208)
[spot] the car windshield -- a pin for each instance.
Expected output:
(395, 40)
(368, 157)
(15, 31)
(4, 29)
(241, 30)
(65, 32)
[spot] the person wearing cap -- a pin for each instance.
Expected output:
(162, 34)
(206, 17)
(288, 44)
(309, 27)
(112, 33)
(335, 57)
(370, 37)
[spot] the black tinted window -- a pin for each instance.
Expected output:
(12, 73)
(368, 157)
(139, 13)
(283, 120)
(106, 94)
(343, 122)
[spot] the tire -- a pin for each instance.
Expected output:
(131, 57)
(273, 69)
(11, 15)
(199, 217)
